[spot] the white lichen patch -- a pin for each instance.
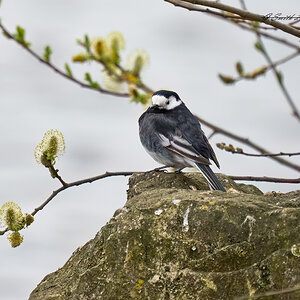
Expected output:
(158, 212)
(251, 221)
(176, 201)
(295, 249)
(210, 284)
(233, 191)
(194, 248)
(154, 279)
(185, 225)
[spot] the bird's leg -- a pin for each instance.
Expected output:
(179, 170)
(157, 169)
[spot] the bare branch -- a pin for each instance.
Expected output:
(279, 78)
(127, 173)
(235, 150)
(245, 15)
(54, 68)
(234, 20)
(266, 179)
(246, 141)
(262, 70)
(77, 183)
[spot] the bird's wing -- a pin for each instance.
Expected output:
(181, 146)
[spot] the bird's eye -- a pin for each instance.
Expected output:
(168, 102)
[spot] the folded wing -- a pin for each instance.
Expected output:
(182, 147)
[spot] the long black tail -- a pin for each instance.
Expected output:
(210, 176)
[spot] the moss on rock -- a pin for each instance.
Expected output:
(174, 239)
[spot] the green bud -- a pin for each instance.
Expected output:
(47, 53)
(92, 83)
(226, 79)
(68, 70)
(20, 36)
(279, 76)
(87, 43)
(259, 46)
(239, 68)
(221, 146)
(80, 57)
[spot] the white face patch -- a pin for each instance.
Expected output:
(165, 103)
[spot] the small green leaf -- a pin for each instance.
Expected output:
(20, 36)
(259, 46)
(20, 33)
(47, 53)
(68, 70)
(87, 43)
(92, 83)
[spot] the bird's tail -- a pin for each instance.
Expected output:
(210, 176)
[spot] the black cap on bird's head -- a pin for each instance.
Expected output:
(166, 94)
(166, 100)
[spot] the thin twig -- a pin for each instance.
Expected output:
(245, 15)
(275, 71)
(54, 68)
(77, 183)
(233, 20)
(243, 4)
(271, 67)
(248, 142)
(266, 179)
(54, 172)
(279, 78)
(265, 154)
(126, 173)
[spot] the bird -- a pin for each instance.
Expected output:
(173, 137)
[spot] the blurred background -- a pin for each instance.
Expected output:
(187, 50)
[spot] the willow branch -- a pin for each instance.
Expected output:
(246, 15)
(267, 68)
(234, 20)
(246, 141)
(58, 71)
(266, 179)
(265, 154)
(280, 81)
(127, 173)
(77, 183)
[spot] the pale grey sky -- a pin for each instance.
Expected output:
(187, 50)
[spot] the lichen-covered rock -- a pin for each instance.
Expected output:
(174, 239)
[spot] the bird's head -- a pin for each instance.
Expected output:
(166, 100)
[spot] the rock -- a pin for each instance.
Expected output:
(174, 239)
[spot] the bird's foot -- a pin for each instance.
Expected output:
(179, 170)
(159, 169)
